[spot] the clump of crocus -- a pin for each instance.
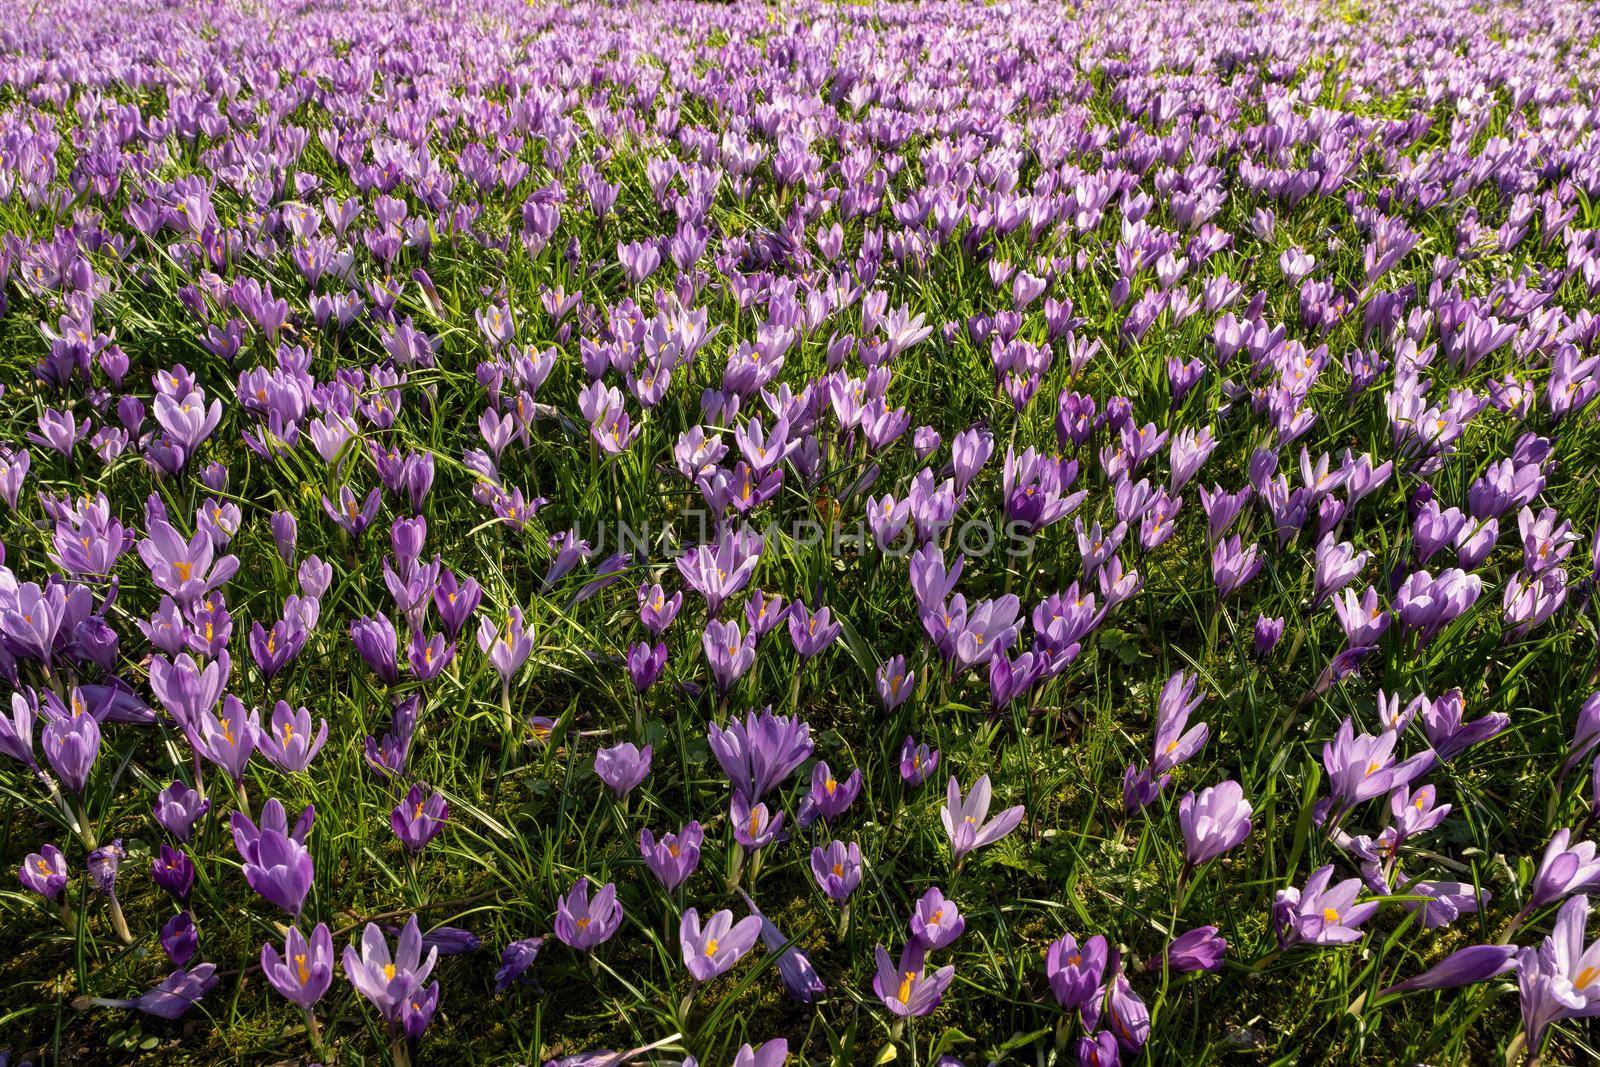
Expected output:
(393, 983)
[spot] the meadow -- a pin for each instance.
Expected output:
(926, 533)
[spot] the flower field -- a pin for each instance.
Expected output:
(932, 533)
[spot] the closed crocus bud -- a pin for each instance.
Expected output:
(1213, 821)
(515, 959)
(622, 767)
(1267, 634)
(1466, 966)
(285, 531)
(1126, 1015)
(1199, 949)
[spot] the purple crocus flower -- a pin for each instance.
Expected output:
(760, 751)
(675, 857)
(837, 869)
(179, 939)
(1233, 565)
(353, 518)
(1199, 949)
(378, 645)
(304, 972)
(228, 740)
(711, 949)
(895, 683)
(967, 822)
(289, 743)
(1128, 1018)
(1563, 870)
(622, 767)
(72, 744)
(811, 632)
(276, 862)
(936, 922)
(1362, 767)
(917, 761)
(909, 990)
(754, 826)
(645, 664)
(45, 872)
(183, 568)
(829, 797)
(178, 808)
(583, 923)
(1098, 1049)
(1465, 966)
(1213, 821)
(515, 959)
(173, 872)
(1561, 978)
(173, 996)
(656, 609)
(799, 977)
(728, 653)
(1319, 914)
(16, 731)
(1075, 973)
(507, 648)
(389, 981)
(418, 818)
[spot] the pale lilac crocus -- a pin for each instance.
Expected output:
(967, 822)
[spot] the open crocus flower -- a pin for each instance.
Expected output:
(583, 923)
(967, 821)
(675, 857)
(303, 973)
(419, 817)
(389, 981)
(45, 872)
(1318, 914)
(290, 743)
(909, 990)
(711, 949)
(936, 921)
(1075, 972)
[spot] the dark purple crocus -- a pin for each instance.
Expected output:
(179, 940)
(178, 808)
(515, 960)
(418, 818)
(173, 872)
(645, 664)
